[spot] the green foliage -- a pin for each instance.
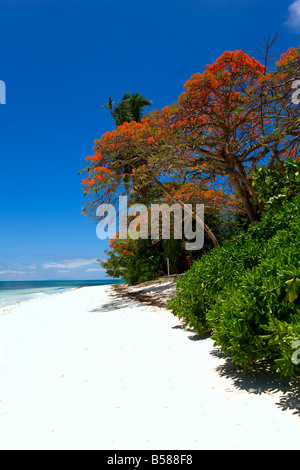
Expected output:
(247, 292)
(198, 287)
(257, 318)
(174, 250)
(135, 261)
(130, 108)
(278, 184)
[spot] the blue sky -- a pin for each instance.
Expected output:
(62, 59)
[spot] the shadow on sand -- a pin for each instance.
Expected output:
(117, 303)
(263, 379)
(194, 337)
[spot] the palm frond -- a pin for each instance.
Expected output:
(130, 108)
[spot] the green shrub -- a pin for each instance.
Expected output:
(198, 287)
(279, 183)
(138, 261)
(134, 261)
(247, 291)
(257, 318)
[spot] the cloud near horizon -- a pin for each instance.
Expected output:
(94, 270)
(294, 15)
(70, 268)
(17, 268)
(13, 272)
(70, 263)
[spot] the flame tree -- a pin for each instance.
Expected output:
(148, 150)
(230, 118)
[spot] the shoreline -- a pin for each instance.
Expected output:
(94, 369)
(21, 302)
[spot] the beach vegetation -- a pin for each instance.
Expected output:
(231, 142)
(246, 294)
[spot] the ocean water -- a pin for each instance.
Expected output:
(14, 292)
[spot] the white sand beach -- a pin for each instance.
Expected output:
(87, 369)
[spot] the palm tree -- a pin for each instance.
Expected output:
(130, 108)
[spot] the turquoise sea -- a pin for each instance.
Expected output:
(14, 292)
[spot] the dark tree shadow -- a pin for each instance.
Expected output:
(262, 380)
(183, 327)
(195, 337)
(146, 293)
(116, 304)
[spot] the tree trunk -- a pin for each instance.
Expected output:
(246, 199)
